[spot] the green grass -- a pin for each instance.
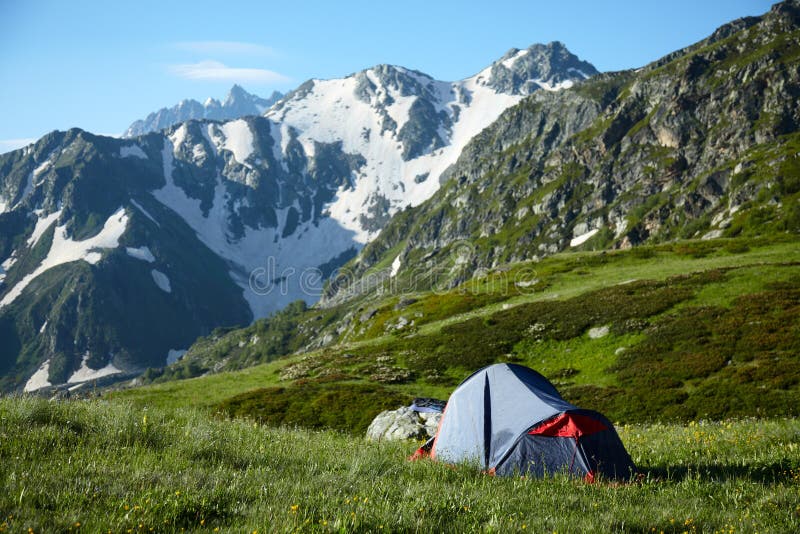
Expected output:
(203, 391)
(98, 466)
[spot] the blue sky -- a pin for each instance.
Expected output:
(99, 65)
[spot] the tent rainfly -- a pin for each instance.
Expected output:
(511, 420)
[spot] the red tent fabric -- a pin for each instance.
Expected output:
(569, 425)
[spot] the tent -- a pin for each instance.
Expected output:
(510, 420)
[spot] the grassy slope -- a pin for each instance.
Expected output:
(569, 286)
(99, 467)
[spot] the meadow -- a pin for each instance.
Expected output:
(111, 466)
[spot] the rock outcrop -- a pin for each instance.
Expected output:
(403, 423)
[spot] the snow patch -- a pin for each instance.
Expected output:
(178, 137)
(174, 355)
(65, 250)
(132, 151)
(238, 139)
(40, 379)
(583, 238)
(396, 266)
(508, 63)
(7, 264)
(42, 224)
(161, 281)
(581, 73)
(566, 84)
(41, 328)
(42, 168)
(86, 373)
(141, 253)
(3, 205)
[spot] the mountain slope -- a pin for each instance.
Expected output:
(239, 103)
(701, 143)
(218, 222)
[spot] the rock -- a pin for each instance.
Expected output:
(598, 332)
(390, 375)
(367, 315)
(431, 420)
(403, 423)
(404, 303)
(399, 324)
(713, 234)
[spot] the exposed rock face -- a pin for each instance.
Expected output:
(403, 423)
(702, 142)
(549, 67)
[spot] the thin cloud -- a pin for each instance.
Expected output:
(216, 71)
(7, 145)
(226, 48)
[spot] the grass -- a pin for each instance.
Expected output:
(96, 466)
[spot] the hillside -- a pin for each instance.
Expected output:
(99, 466)
(694, 329)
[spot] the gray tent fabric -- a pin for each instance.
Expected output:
(489, 416)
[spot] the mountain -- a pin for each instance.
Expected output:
(239, 103)
(702, 143)
(683, 176)
(407, 128)
(118, 253)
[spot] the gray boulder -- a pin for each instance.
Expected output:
(403, 423)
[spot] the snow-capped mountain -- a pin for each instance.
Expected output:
(117, 253)
(408, 127)
(238, 103)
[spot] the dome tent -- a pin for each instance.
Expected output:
(511, 420)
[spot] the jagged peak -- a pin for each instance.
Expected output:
(237, 92)
(549, 66)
